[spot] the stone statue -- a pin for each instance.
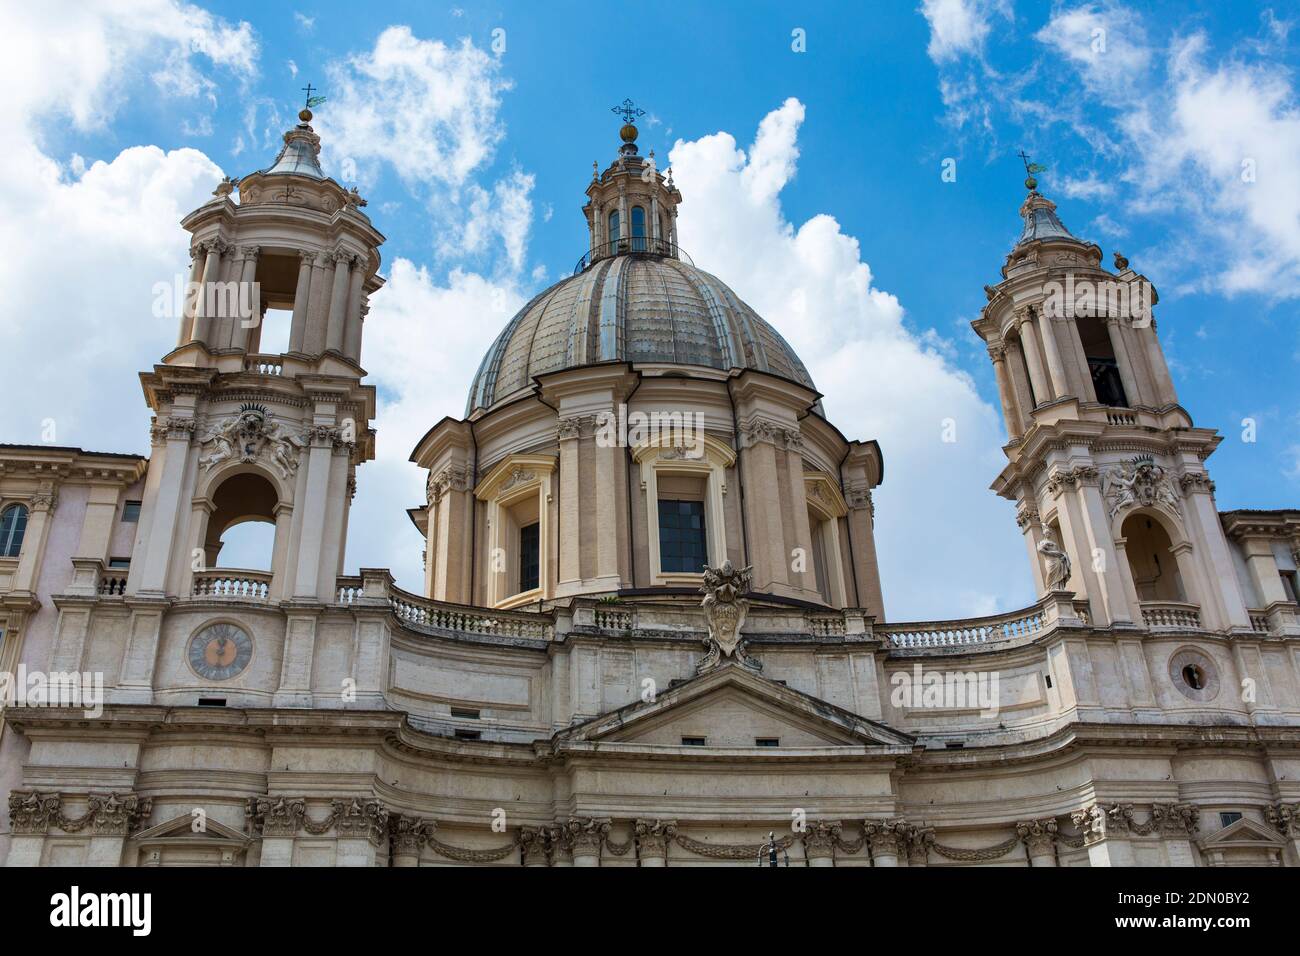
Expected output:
(1137, 482)
(1058, 562)
(724, 609)
(245, 435)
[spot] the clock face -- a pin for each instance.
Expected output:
(220, 651)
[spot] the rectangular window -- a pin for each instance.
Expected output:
(1228, 818)
(529, 556)
(119, 562)
(683, 544)
(767, 741)
(693, 741)
(468, 734)
(464, 713)
(131, 511)
(1289, 585)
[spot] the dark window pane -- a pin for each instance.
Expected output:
(131, 511)
(13, 523)
(682, 539)
(529, 556)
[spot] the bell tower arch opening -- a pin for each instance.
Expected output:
(1151, 559)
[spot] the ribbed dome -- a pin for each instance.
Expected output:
(632, 308)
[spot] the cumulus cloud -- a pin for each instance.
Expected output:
(86, 243)
(957, 27)
(947, 545)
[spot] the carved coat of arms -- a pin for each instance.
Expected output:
(725, 608)
(245, 436)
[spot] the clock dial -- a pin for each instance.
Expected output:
(220, 651)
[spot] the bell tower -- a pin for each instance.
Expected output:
(249, 430)
(1105, 466)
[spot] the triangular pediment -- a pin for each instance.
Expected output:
(1242, 833)
(732, 707)
(181, 828)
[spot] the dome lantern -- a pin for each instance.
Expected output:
(632, 207)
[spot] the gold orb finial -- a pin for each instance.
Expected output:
(628, 133)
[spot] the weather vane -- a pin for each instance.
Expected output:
(312, 100)
(629, 111)
(1031, 167)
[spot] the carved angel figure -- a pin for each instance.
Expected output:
(222, 437)
(285, 446)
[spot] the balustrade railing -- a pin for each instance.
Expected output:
(1171, 615)
(112, 585)
(232, 583)
(472, 620)
(264, 364)
(632, 245)
(1258, 621)
(982, 630)
(614, 618)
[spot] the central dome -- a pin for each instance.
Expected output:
(639, 308)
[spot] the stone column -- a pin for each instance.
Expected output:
(301, 302)
(762, 493)
(243, 324)
(112, 818)
(1010, 414)
(568, 433)
(203, 321)
(362, 828)
(1178, 821)
(191, 297)
(1164, 382)
(338, 301)
(30, 816)
(278, 819)
(40, 511)
(1286, 819)
(314, 335)
(866, 571)
(1052, 350)
(587, 836)
(313, 507)
(797, 503)
(1111, 604)
(1039, 838)
(356, 305)
(883, 839)
(917, 842)
(1120, 347)
(652, 839)
(1018, 371)
(610, 462)
(819, 843)
(1037, 376)
(534, 842)
(1198, 502)
(162, 529)
(1105, 834)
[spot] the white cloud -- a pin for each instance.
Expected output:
(957, 27)
(428, 110)
(947, 545)
(1090, 186)
(1105, 41)
(118, 216)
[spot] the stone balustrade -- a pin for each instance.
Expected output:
(234, 583)
(1171, 616)
(264, 364)
(982, 630)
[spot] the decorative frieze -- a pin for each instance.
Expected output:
(111, 814)
(245, 436)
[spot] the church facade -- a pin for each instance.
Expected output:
(651, 630)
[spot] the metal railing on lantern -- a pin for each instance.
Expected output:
(632, 246)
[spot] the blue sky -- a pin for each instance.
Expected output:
(809, 177)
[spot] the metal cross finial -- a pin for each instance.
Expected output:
(1030, 167)
(628, 110)
(312, 100)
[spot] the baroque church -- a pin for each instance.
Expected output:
(651, 630)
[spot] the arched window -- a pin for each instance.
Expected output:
(638, 229)
(13, 523)
(613, 232)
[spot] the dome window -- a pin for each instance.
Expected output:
(613, 232)
(638, 229)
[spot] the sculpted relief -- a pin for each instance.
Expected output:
(246, 436)
(1137, 483)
